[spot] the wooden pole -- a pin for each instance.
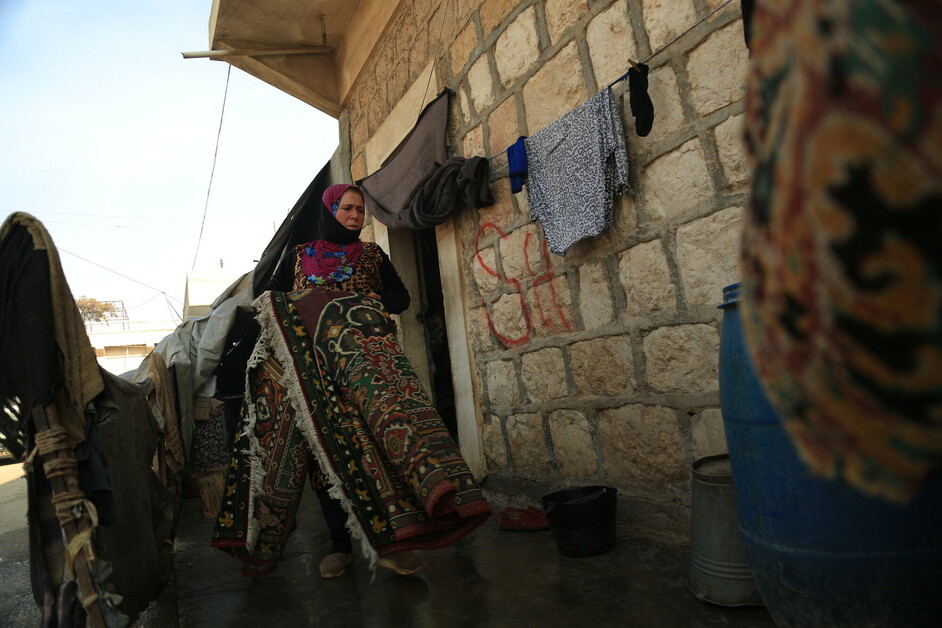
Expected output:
(258, 52)
(77, 519)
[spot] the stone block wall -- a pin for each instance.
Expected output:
(600, 366)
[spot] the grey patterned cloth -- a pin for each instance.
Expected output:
(578, 164)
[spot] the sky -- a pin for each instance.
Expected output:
(108, 137)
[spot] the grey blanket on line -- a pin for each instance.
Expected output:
(441, 190)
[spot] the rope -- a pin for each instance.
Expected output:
(52, 440)
(60, 467)
(437, 51)
(648, 58)
(673, 41)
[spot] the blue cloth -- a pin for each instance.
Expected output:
(517, 161)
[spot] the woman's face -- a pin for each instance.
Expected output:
(351, 212)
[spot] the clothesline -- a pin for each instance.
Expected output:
(670, 43)
(648, 58)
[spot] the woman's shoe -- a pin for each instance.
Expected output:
(403, 563)
(334, 565)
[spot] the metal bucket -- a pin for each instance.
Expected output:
(719, 571)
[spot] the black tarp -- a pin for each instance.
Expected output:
(301, 225)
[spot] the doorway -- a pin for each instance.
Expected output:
(431, 316)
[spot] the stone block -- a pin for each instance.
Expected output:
(502, 384)
(572, 444)
(461, 107)
(676, 181)
(375, 100)
(493, 12)
(611, 43)
(358, 131)
(668, 110)
(683, 358)
(521, 253)
(481, 338)
(550, 307)
(500, 213)
(708, 255)
(523, 204)
(502, 128)
(714, 85)
(544, 374)
(528, 445)
(732, 150)
(495, 449)
(708, 433)
(473, 143)
(358, 167)
(517, 48)
(666, 19)
(509, 320)
(624, 223)
(646, 279)
(595, 296)
(561, 14)
(463, 47)
(641, 447)
(485, 267)
(603, 366)
(557, 88)
(481, 85)
(418, 53)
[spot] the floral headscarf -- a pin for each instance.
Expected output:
(332, 196)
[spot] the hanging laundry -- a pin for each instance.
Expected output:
(577, 165)
(419, 186)
(641, 106)
(517, 163)
(445, 188)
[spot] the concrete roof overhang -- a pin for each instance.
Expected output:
(311, 49)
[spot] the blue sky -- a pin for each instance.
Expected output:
(107, 135)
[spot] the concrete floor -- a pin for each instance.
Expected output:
(17, 608)
(492, 578)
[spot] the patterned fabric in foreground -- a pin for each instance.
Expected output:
(330, 389)
(842, 248)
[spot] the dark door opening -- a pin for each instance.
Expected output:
(432, 318)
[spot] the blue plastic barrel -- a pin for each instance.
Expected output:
(821, 553)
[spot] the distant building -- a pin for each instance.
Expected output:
(120, 344)
(204, 288)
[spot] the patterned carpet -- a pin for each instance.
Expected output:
(331, 397)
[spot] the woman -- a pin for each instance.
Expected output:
(341, 261)
(331, 396)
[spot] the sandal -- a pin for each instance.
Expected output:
(529, 520)
(404, 563)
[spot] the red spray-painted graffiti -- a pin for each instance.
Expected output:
(552, 314)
